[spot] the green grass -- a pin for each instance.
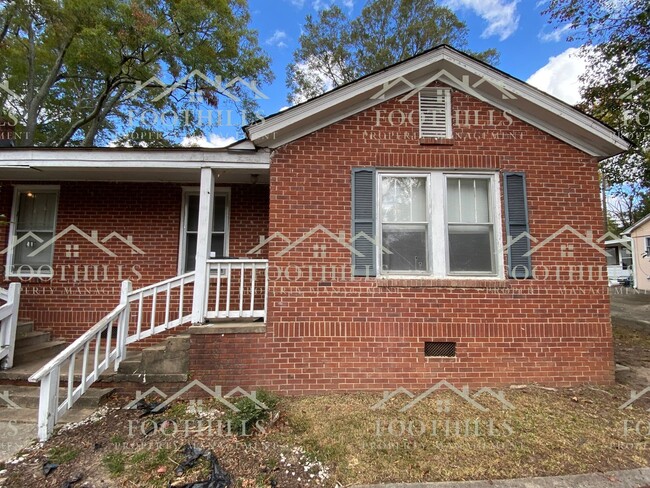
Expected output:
(115, 463)
(62, 454)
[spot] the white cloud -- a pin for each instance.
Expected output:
(554, 36)
(349, 4)
(316, 76)
(501, 15)
(277, 39)
(298, 3)
(560, 76)
(321, 4)
(213, 140)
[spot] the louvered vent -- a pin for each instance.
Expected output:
(435, 113)
(440, 349)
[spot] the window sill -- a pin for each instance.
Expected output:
(442, 283)
(435, 141)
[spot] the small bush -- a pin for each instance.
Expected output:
(251, 415)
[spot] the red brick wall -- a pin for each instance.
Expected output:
(150, 213)
(338, 333)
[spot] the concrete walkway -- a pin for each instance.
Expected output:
(635, 478)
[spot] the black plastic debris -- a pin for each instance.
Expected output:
(149, 408)
(218, 477)
(48, 467)
(75, 479)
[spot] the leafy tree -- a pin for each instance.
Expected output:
(335, 50)
(72, 67)
(616, 86)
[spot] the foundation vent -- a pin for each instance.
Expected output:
(440, 349)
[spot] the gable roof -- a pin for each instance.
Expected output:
(636, 225)
(457, 70)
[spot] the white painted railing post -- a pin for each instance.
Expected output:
(8, 337)
(48, 404)
(123, 322)
(203, 238)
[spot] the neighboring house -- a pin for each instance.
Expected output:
(383, 231)
(620, 263)
(639, 234)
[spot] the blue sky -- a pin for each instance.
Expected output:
(530, 48)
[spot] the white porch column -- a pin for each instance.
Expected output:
(202, 279)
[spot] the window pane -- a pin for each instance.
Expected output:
(468, 200)
(192, 212)
(404, 199)
(482, 201)
(219, 214)
(408, 247)
(470, 249)
(36, 211)
(453, 200)
(217, 245)
(23, 250)
(190, 253)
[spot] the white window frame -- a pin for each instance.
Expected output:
(448, 119)
(438, 248)
(194, 191)
(18, 190)
(647, 246)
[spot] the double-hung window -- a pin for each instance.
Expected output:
(438, 224)
(32, 231)
(190, 228)
(647, 246)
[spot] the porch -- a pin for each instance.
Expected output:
(202, 275)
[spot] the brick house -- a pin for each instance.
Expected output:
(434, 220)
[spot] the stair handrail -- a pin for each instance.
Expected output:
(8, 323)
(105, 352)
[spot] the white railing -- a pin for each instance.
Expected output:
(8, 323)
(140, 314)
(237, 288)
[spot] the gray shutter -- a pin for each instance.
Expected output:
(519, 265)
(363, 220)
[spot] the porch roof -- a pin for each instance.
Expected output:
(181, 165)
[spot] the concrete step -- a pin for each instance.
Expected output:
(169, 358)
(38, 351)
(30, 416)
(26, 397)
(24, 327)
(32, 338)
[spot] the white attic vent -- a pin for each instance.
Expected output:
(435, 113)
